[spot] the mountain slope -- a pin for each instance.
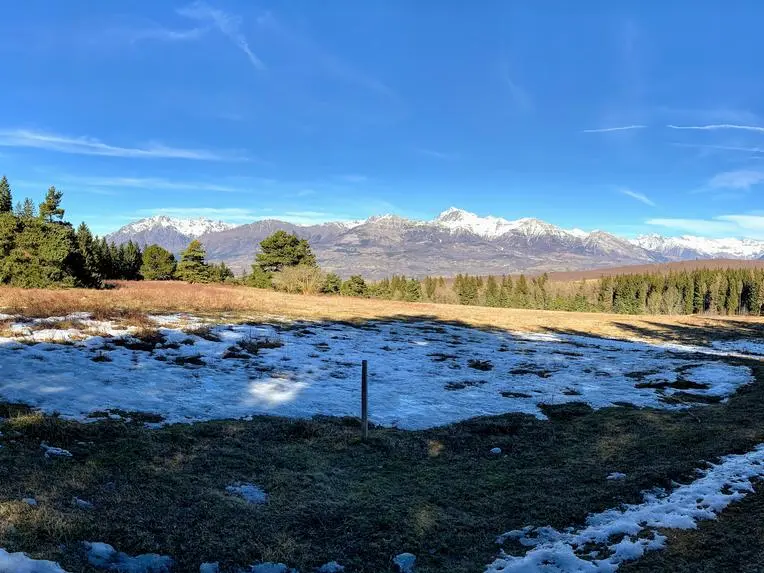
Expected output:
(173, 234)
(456, 241)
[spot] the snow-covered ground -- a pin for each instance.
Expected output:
(626, 533)
(422, 374)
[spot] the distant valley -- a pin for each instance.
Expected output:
(456, 241)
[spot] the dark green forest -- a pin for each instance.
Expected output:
(40, 249)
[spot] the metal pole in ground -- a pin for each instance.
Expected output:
(364, 400)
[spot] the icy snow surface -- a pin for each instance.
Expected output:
(422, 374)
(21, 563)
(571, 551)
(248, 492)
(105, 556)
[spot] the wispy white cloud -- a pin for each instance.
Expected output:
(749, 226)
(718, 126)
(313, 57)
(148, 183)
(704, 227)
(162, 34)
(739, 179)
(521, 98)
(708, 115)
(611, 129)
(227, 214)
(228, 24)
(436, 154)
(241, 215)
(641, 197)
(743, 149)
(24, 138)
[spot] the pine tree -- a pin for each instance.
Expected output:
(220, 273)
(131, 259)
(283, 249)
(87, 248)
(332, 284)
(26, 210)
(354, 286)
(492, 292)
(259, 278)
(521, 292)
(50, 208)
(6, 198)
(158, 264)
(413, 291)
(192, 267)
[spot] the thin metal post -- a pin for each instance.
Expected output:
(364, 400)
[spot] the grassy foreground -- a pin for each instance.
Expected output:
(438, 493)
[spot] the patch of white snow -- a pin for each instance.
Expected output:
(635, 525)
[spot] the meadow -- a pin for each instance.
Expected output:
(131, 415)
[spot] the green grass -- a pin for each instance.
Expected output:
(438, 493)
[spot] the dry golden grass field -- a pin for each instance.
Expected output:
(165, 297)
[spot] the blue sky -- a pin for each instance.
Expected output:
(631, 117)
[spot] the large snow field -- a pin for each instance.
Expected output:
(422, 374)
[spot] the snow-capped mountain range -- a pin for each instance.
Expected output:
(189, 227)
(455, 241)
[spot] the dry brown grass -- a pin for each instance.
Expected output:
(129, 301)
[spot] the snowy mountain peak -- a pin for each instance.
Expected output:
(701, 246)
(460, 220)
(490, 227)
(189, 227)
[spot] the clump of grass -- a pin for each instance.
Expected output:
(509, 394)
(482, 365)
(193, 360)
(441, 357)
(205, 331)
(101, 357)
(65, 324)
(463, 384)
(235, 352)
(530, 369)
(144, 339)
(255, 345)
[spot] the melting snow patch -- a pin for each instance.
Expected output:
(405, 562)
(52, 452)
(495, 451)
(570, 550)
(616, 476)
(237, 374)
(105, 556)
(248, 492)
(81, 503)
(209, 568)
(30, 501)
(270, 568)
(21, 563)
(331, 567)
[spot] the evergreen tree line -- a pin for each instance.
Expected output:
(39, 249)
(701, 291)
